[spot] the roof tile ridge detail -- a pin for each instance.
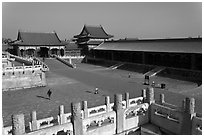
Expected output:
(105, 32)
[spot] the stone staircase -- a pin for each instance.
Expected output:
(154, 71)
(116, 66)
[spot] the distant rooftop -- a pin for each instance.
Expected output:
(93, 32)
(37, 38)
(71, 46)
(175, 45)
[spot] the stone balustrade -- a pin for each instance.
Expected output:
(120, 117)
(7, 130)
(41, 123)
(96, 110)
(18, 77)
(64, 129)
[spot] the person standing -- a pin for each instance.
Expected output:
(96, 91)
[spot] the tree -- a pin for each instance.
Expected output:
(6, 40)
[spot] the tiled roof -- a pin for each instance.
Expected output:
(174, 45)
(71, 45)
(94, 42)
(91, 42)
(94, 32)
(31, 38)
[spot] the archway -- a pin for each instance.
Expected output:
(30, 52)
(54, 51)
(21, 52)
(62, 52)
(44, 52)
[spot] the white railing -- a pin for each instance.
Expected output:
(22, 68)
(96, 110)
(42, 123)
(71, 57)
(135, 101)
(7, 130)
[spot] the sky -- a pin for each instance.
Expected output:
(121, 19)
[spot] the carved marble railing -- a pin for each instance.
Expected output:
(140, 109)
(72, 57)
(21, 70)
(119, 117)
(64, 129)
(7, 130)
(38, 61)
(42, 123)
(167, 113)
(95, 122)
(96, 110)
(135, 101)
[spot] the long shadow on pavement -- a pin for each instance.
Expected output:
(42, 97)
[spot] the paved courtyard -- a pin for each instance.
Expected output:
(71, 85)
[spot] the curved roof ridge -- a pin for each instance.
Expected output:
(39, 38)
(105, 32)
(35, 32)
(93, 31)
(92, 25)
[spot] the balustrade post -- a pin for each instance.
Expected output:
(61, 115)
(162, 101)
(23, 66)
(107, 103)
(149, 99)
(150, 95)
(33, 64)
(144, 95)
(70, 60)
(34, 121)
(127, 99)
(85, 108)
(188, 114)
(76, 118)
(18, 125)
(118, 107)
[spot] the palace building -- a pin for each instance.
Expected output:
(184, 53)
(38, 44)
(72, 49)
(90, 37)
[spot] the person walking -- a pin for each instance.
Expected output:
(49, 93)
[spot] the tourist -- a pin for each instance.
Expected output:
(129, 75)
(96, 91)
